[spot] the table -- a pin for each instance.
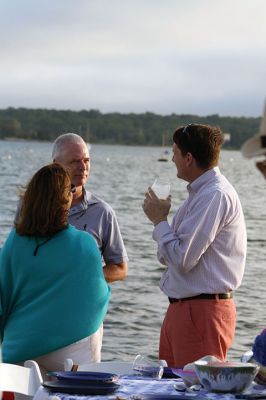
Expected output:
(132, 385)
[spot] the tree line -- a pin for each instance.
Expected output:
(115, 128)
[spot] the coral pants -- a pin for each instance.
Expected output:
(195, 328)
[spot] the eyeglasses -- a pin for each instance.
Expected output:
(72, 188)
(186, 128)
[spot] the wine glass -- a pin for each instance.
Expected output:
(146, 367)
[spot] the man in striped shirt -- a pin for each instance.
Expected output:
(204, 251)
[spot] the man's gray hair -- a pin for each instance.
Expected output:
(62, 140)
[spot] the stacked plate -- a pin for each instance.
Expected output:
(82, 382)
(168, 373)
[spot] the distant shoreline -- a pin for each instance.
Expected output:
(146, 129)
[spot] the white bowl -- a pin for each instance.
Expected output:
(189, 376)
(225, 377)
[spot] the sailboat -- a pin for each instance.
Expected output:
(164, 152)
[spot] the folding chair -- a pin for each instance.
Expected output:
(23, 380)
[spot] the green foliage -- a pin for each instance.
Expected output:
(115, 128)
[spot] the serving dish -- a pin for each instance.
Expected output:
(225, 377)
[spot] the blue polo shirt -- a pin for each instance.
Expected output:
(97, 217)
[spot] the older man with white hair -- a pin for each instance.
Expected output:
(88, 212)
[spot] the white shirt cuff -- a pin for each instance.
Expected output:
(160, 229)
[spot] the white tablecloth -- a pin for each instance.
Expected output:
(137, 386)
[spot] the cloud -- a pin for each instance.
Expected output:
(193, 56)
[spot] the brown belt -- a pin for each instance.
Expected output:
(204, 296)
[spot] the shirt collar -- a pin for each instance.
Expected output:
(203, 179)
(88, 199)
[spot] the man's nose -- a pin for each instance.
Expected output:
(83, 165)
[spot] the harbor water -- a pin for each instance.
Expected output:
(121, 175)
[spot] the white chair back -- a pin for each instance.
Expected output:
(24, 380)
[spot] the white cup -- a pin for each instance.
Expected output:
(161, 188)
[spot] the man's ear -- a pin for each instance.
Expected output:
(189, 159)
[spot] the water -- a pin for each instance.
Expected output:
(120, 175)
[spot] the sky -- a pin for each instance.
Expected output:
(199, 57)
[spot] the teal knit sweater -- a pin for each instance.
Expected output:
(53, 299)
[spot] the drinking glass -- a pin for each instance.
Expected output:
(149, 368)
(161, 188)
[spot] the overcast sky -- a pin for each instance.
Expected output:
(165, 56)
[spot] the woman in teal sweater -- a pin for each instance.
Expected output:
(53, 295)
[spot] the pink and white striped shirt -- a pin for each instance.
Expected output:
(204, 249)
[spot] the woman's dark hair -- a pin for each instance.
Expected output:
(44, 208)
(202, 141)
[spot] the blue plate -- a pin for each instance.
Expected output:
(83, 376)
(168, 373)
(69, 387)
